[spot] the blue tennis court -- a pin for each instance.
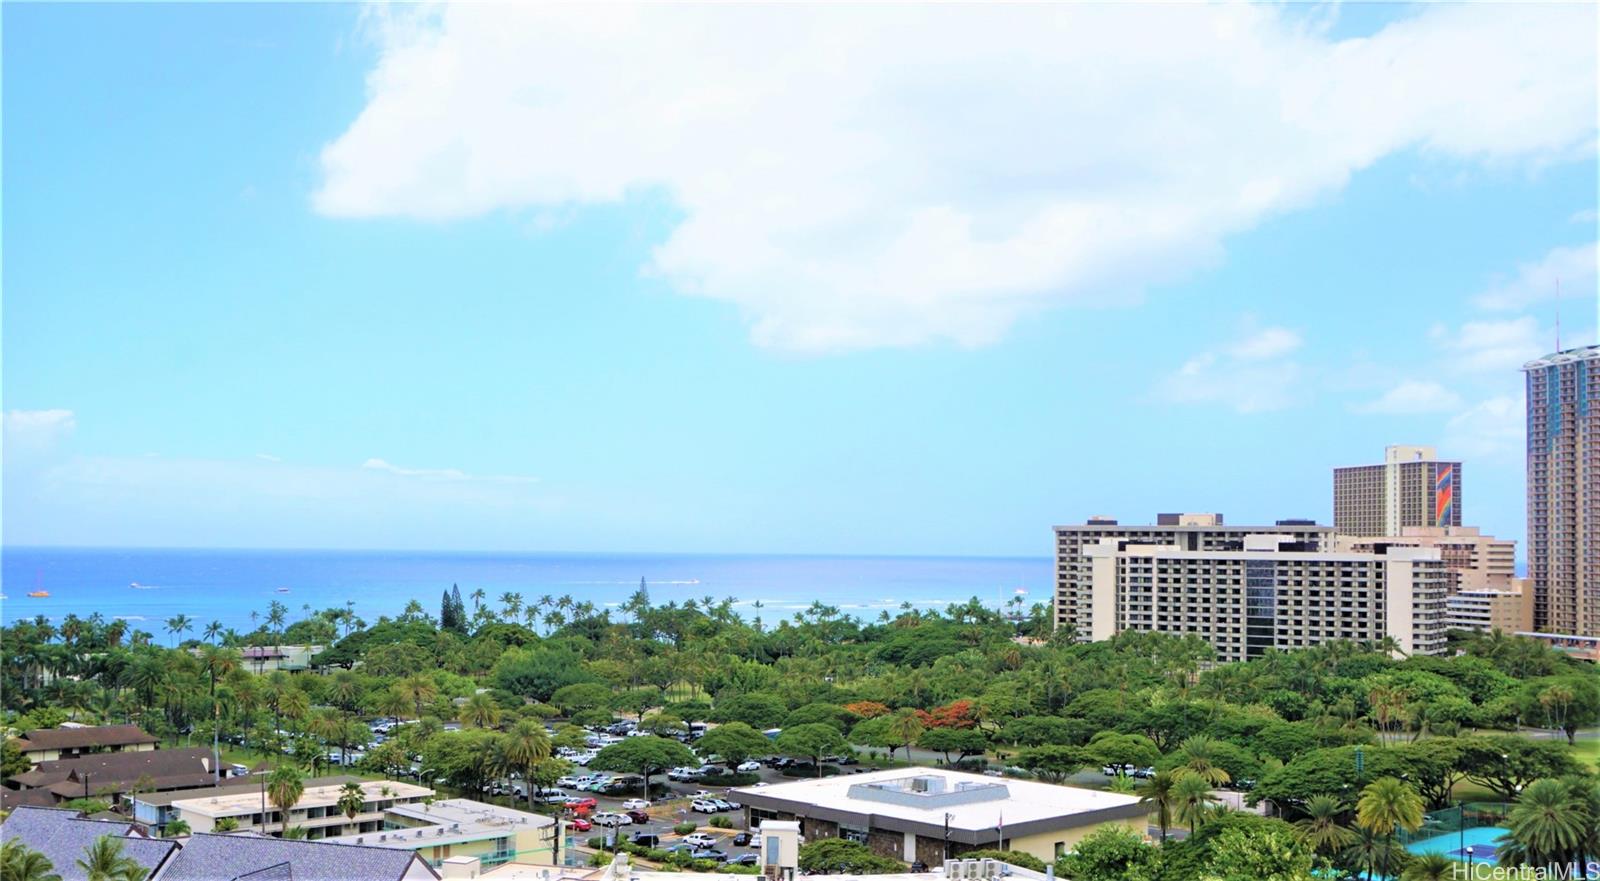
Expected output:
(1476, 845)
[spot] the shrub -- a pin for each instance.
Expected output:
(685, 828)
(721, 822)
(598, 842)
(1014, 857)
(726, 780)
(829, 855)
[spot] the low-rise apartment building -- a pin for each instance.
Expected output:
(1247, 594)
(459, 827)
(72, 741)
(317, 811)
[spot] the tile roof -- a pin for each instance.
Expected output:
(78, 738)
(62, 837)
(208, 857)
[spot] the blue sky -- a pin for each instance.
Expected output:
(754, 280)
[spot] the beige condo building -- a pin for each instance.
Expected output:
(1476, 561)
(1246, 590)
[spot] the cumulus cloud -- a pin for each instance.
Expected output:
(1412, 396)
(1536, 282)
(1251, 375)
(1494, 346)
(897, 175)
(39, 427)
(1492, 429)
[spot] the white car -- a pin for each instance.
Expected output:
(746, 767)
(680, 773)
(704, 806)
(569, 781)
(636, 804)
(699, 839)
(608, 818)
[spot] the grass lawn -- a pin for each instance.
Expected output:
(1588, 751)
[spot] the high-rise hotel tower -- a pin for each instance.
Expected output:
(1564, 491)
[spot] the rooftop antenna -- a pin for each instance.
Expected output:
(1558, 313)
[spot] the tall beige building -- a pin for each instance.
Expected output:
(1247, 589)
(1411, 488)
(1476, 561)
(1563, 493)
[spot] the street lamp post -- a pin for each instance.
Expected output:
(947, 818)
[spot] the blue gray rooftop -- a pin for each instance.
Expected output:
(63, 838)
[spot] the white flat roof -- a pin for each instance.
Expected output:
(249, 801)
(1022, 801)
(450, 821)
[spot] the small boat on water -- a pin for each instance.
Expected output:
(40, 593)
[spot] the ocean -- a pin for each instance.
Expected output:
(227, 585)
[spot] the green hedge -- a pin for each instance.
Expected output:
(729, 779)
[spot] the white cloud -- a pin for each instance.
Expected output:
(1493, 346)
(852, 177)
(1411, 397)
(31, 432)
(1274, 342)
(1491, 430)
(439, 473)
(1573, 267)
(1588, 215)
(1251, 375)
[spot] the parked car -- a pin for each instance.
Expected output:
(743, 839)
(745, 859)
(569, 781)
(709, 853)
(638, 817)
(611, 818)
(747, 767)
(579, 824)
(636, 804)
(645, 839)
(581, 803)
(699, 839)
(680, 774)
(722, 804)
(704, 806)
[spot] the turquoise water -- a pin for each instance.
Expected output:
(1478, 844)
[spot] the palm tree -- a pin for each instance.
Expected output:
(512, 601)
(351, 799)
(20, 863)
(479, 712)
(1321, 830)
(1431, 867)
(1199, 755)
(212, 631)
(523, 748)
(175, 829)
(225, 824)
(1386, 805)
(178, 625)
(1192, 794)
(420, 689)
(104, 861)
(1157, 792)
(1548, 824)
(905, 728)
(285, 785)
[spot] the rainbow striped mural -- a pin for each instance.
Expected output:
(1443, 494)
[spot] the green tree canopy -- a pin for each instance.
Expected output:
(734, 742)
